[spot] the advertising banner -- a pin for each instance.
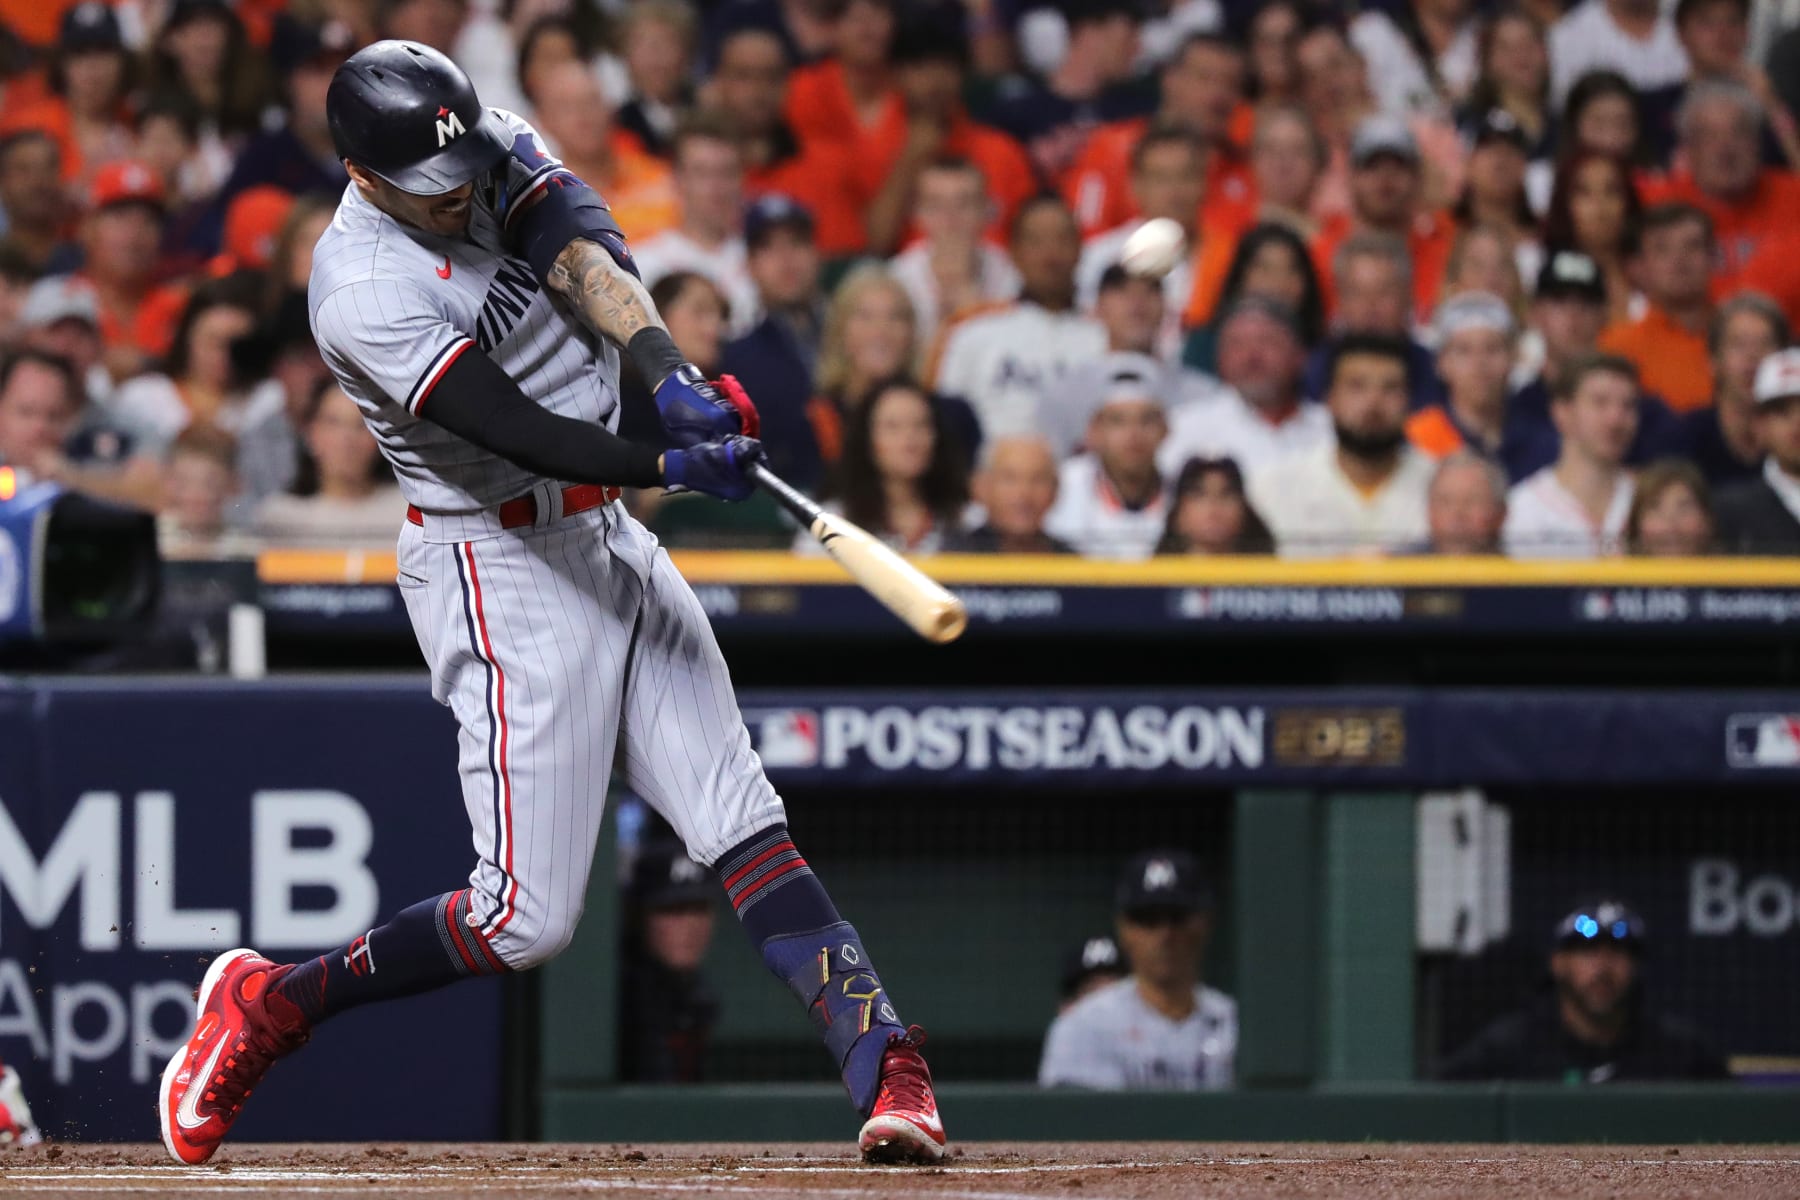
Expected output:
(146, 827)
(1411, 737)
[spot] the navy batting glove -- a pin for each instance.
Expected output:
(695, 411)
(716, 468)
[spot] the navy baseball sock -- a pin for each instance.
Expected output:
(787, 913)
(421, 948)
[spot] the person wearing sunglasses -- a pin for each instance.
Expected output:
(1596, 1025)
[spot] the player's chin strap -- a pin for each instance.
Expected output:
(830, 972)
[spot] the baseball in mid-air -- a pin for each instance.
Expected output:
(1154, 248)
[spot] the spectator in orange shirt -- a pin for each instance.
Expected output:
(1668, 343)
(89, 76)
(928, 123)
(1287, 156)
(1202, 86)
(1385, 189)
(576, 120)
(32, 196)
(1716, 36)
(1720, 127)
(847, 95)
(1772, 273)
(749, 89)
(120, 240)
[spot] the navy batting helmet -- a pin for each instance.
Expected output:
(408, 114)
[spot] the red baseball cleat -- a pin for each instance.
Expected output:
(905, 1126)
(16, 1125)
(237, 1035)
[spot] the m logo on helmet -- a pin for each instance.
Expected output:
(1159, 875)
(449, 125)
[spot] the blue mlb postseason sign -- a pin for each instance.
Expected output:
(144, 827)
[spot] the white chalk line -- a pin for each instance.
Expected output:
(413, 1184)
(161, 1173)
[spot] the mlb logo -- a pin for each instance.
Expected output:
(787, 737)
(1194, 603)
(1596, 606)
(1763, 740)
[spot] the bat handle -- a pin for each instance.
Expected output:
(802, 506)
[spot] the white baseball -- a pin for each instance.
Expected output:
(1154, 248)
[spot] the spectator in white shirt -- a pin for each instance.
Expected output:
(1363, 492)
(952, 268)
(1577, 506)
(1259, 416)
(1112, 502)
(1422, 58)
(1131, 310)
(1466, 505)
(708, 170)
(1002, 362)
(1069, 409)
(1168, 180)
(1633, 37)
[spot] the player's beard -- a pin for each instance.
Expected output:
(1370, 446)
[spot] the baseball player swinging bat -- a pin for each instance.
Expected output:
(930, 611)
(475, 299)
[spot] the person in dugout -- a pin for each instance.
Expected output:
(1596, 1025)
(667, 1009)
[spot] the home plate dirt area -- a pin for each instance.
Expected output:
(982, 1171)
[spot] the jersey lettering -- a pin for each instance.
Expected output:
(508, 297)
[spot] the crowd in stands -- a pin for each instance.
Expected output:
(1461, 277)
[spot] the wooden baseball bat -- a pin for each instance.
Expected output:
(930, 611)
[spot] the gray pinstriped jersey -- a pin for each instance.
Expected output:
(393, 306)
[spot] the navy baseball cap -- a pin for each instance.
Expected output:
(776, 211)
(90, 26)
(665, 877)
(1498, 125)
(1601, 922)
(1094, 956)
(1162, 881)
(1571, 275)
(300, 43)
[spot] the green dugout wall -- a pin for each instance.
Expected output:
(1318, 949)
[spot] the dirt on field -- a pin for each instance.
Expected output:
(990, 1171)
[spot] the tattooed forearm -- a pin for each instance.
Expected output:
(608, 298)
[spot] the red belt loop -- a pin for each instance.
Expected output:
(521, 511)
